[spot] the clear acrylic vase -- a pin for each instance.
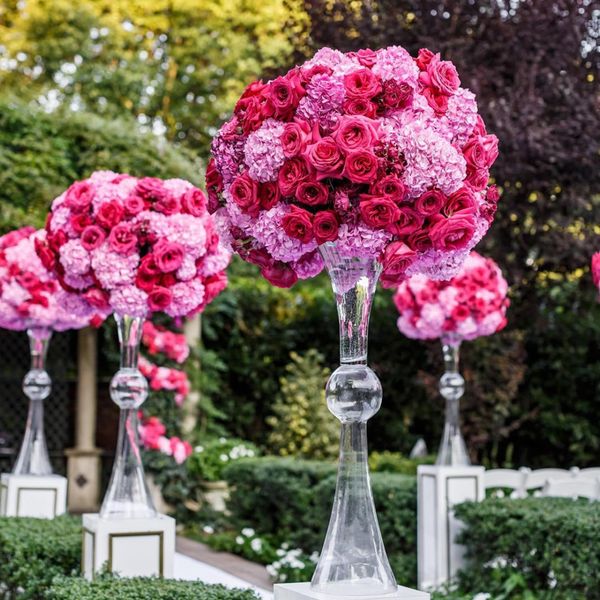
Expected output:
(453, 450)
(127, 496)
(33, 456)
(353, 561)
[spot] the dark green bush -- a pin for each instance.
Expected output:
(550, 543)
(34, 551)
(110, 588)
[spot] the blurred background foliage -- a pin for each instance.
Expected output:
(159, 77)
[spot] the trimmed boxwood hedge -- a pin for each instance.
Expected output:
(111, 588)
(291, 500)
(34, 551)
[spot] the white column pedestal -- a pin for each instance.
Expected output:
(129, 547)
(439, 489)
(39, 496)
(303, 591)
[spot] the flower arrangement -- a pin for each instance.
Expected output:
(377, 151)
(471, 305)
(595, 267)
(165, 378)
(30, 296)
(159, 340)
(152, 435)
(135, 246)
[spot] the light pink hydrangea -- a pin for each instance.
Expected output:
(263, 151)
(323, 101)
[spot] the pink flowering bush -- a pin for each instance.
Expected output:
(30, 296)
(377, 151)
(159, 340)
(152, 436)
(596, 270)
(165, 378)
(470, 305)
(135, 246)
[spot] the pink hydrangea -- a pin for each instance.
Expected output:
(323, 101)
(263, 151)
(159, 340)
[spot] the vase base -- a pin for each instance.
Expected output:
(128, 547)
(304, 591)
(38, 496)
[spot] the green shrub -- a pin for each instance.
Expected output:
(34, 551)
(109, 588)
(212, 457)
(395, 462)
(302, 425)
(551, 543)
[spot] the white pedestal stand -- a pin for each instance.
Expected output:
(303, 591)
(130, 547)
(439, 489)
(40, 496)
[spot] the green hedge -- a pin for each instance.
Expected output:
(34, 551)
(110, 588)
(295, 499)
(549, 544)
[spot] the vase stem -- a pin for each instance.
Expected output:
(33, 456)
(353, 561)
(127, 495)
(453, 450)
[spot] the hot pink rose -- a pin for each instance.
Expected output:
(396, 259)
(437, 101)
(79, 196)
(360, 106)
(325, 156)
(478, 178)
(475, 154)
(96, 298)
(325, 226)
(362, 83)
(391, 187)
(430, 202)
(294, 138)
(80, 221)
(361, 166)
(443, 76)
(244, 191)
(378, 212)
(420, 240)
(283, 95)
(355, 133)
(150, 189)
(134, 205)
(408, 222)
(280, 274)
(297, 224)
(292, 173)
(366, 57)
(462, 199)
(268, 194)
(193, 202)
(312, 193)
(424, 58)
(159, 298)
(454, 232)
(168, 204)
(92, 237)
(255, 89)
(168, 256)
(396, 95)
(122, 239)
(110, 214)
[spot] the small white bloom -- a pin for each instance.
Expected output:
(239, 540)
(248, 532)
(208, 529)
(481, 596)
(256, 545)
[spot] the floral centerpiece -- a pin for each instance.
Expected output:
(472, 304)
(134, 247)
(368, 163)
(32, 300)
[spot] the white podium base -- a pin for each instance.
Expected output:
(303, 591)
(39, 496)
(128, 547)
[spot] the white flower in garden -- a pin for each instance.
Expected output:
(248, 532)
(482, 596)
(552, 580)
(280, 552)
(256, 545)
(208, 529)
(223, 458)
(314, 557)
(199, 449)
(239, 540)
(222, 440)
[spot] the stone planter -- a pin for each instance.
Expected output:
(216, 494)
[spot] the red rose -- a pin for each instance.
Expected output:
(149, 266)
(214, 185)
(478, 178)
(430, 202)
(167, 280)
(360, 106)
(419, 240)
(254, 115)
(110, 214)
(92, 237)
(259, 257)
(396, 259)
(150, 188)
(122, 239)
(479, 128)
(306, 74)
(254, 89)
(297, 224)
(475, 154)
(453, 233)
(362, 83)
(437, 101)
(96, 298)
(460, 312)
(80, 221)
(391, 187)
(462, 199)
(44, 253)
(167, 204)
(244, 191)
(361, 167)
(293, 138)
(213, 286)
(283, 95)
(325, 226)
(490, 143)
(168, 256)
(443, 76)
(488, 210)
(268, 194)
(378, 212)
(159, 298)
(293, 171)
(280, 274)
(146, 281)
(325, 156)
(396, 95)
(193, 202)
(134, 205)
(424, 58)
(355, 133)
(312, 193)
(408, 222)
(79, 196)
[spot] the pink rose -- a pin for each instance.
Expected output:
(355, 133)
(325, 156)
(419, 240)
(462, 199)
(283, 95)
(255, 89)
(391, 187)
(254, 115)
(312, 193)
(378, 212)
(407, 222)
(478, 178)
(362, 83)
(168, 204)
(122, 239)
(214, 185)
(150, 189)
(454, 232)
(259, 257)
(168, 256)
(193, 202)
(360, 106)
(244, 192)
(437, 101)
(424, 58)
(148, 274)
(213, 286)
(396, 259)
(396, 95)
(325, 226)
(361, 166)
(280, 274)
(294, 137)
(79, 196)
(443, 76)
(430, 202)
(292, 173)
(366, 57)
(44, 253)
(92, 237)
(110, 214)
(159, 298)
(96, 298)
(297, 224)
(475, 154)
(268, 194)
(134, 205)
